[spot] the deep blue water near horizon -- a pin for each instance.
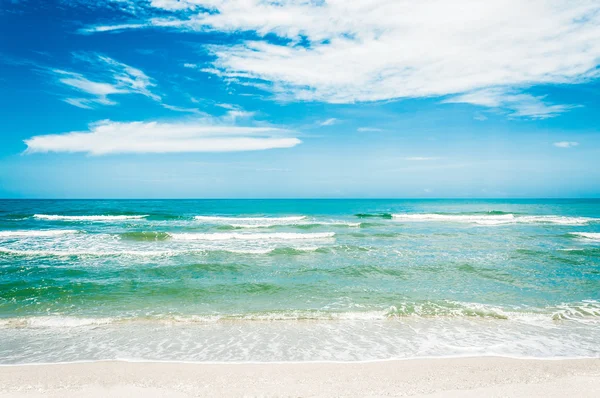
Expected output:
(298, 280)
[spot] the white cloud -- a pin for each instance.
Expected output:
(202, 135)
(106, 77)
(329, 122)
(565, 144)
(343, 51)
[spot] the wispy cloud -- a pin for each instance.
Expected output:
(106, 78)
(369, 130)
(517, 104)
(439, 49)
(420, 158)
(201, 135)
(566, 144)
(181, 109)
(328, 122)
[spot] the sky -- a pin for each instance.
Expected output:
(299, 98)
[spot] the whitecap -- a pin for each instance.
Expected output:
(595, 236)
(245, 236)
(36, 233)
(495, 219)
(55, 217)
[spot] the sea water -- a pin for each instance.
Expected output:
(297, 280)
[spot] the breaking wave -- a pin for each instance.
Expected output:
(243, 236)
(155, 253)
(36, 233)
(88, 218)
(595, 236)
(495, 219)
(584, 311)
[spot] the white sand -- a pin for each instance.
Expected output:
(465, 377)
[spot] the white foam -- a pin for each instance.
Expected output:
(245, 236)
(495, 219)
(49, 232)
(86, 218)
(91, 252)
(53, 322)
(561, 220)
(595, 236)
(455, 217)
(250, 219)
(267, 224)
(343, 223)
(142, 253)
(587, 310)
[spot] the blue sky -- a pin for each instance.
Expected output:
(299, 98)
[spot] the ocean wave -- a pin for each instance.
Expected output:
(36, 233)
(269, 222)
(145, 236)
(91, 252)
(249, 220)
(55, 217)
(493, 219)
(300, 224)
(155, 253)
(595, 236)
(374, 215)
(244, 236)
(56, 321)
(585, 311)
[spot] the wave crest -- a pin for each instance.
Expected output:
(595, 236)
(584, 311)
(56, 217)
(495, 219)
(244, 236)
(36, 233)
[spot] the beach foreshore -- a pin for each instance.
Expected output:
(464, 377)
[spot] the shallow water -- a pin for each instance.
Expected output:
(287, 280)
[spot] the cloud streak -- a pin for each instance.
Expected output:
(328, 122)
(106, 79)
(566, 144)
(202, 135)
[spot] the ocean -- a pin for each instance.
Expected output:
(297, 280)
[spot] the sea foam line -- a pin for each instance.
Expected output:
(146, 253)
(585, 311)
(495, 219)
(244, 219)
(37, 233)
(244, 236)
(87, 218)
(300, 223)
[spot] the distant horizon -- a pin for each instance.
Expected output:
(316, 198)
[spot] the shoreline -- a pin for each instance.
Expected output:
(464, 376)
(300, 362)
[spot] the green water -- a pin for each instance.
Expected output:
(219, 280)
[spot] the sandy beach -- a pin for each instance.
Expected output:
(464, 377)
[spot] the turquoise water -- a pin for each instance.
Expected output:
(298, 280)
